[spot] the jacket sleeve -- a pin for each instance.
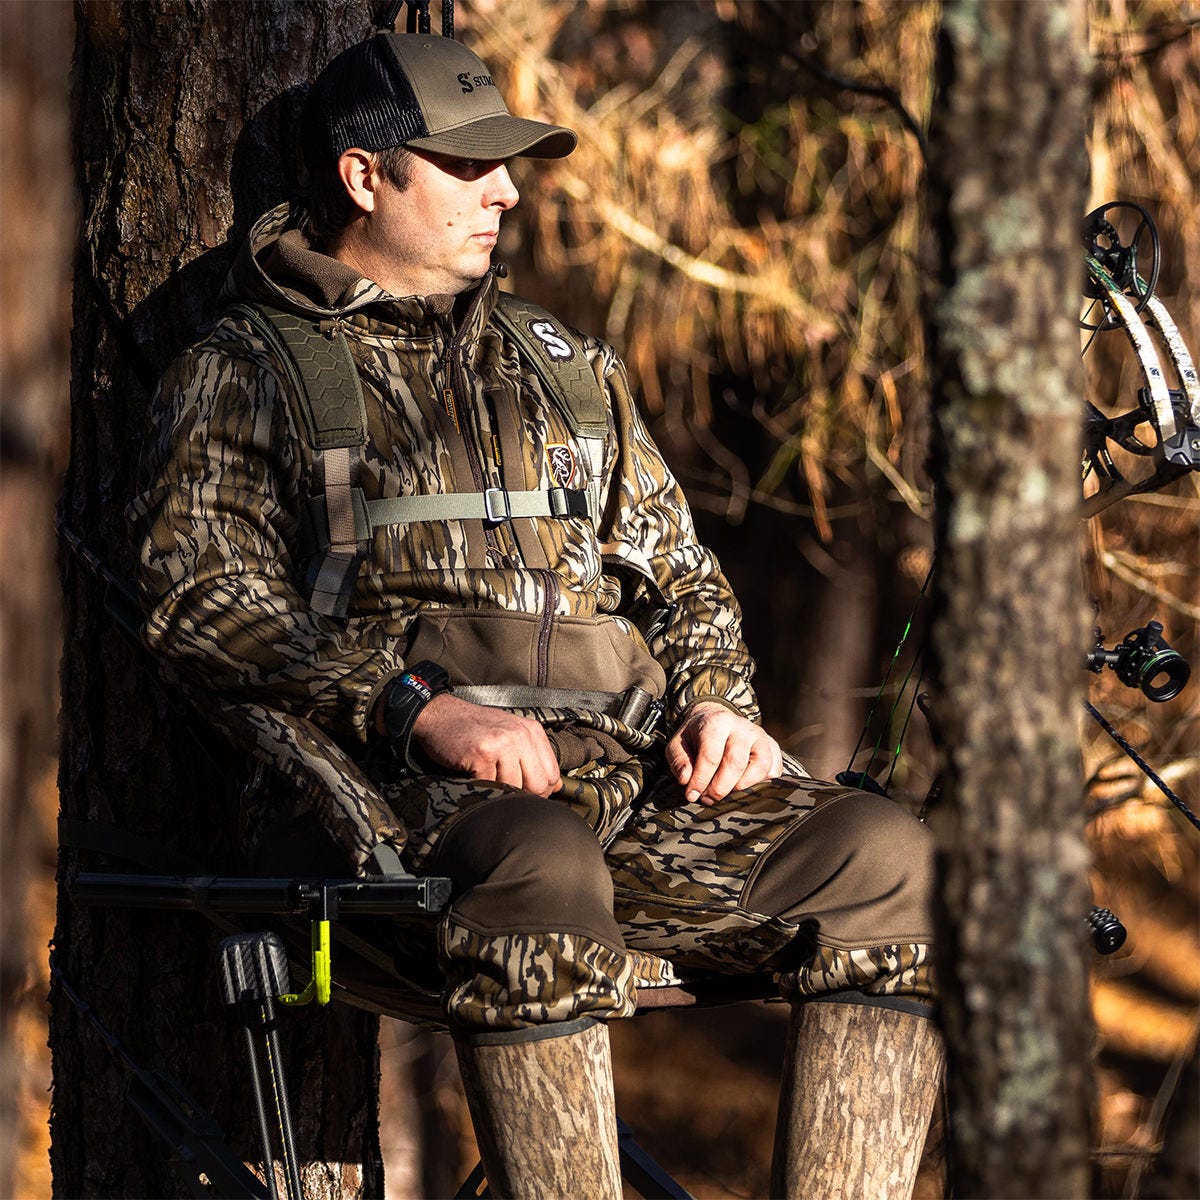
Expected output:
(217, 525)
(647, 525)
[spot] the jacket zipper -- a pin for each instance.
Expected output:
(549, 604)
(452, 395)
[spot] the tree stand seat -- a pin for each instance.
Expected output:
(255, 973)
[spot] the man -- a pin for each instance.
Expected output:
(502, 612)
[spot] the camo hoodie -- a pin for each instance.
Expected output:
(533, 601)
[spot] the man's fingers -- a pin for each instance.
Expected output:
(708, 761)
(766, 762)
(724, 753)
(735, 758)
(488, 744)
(679, 761)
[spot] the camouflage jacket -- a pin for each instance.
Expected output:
(534, 601)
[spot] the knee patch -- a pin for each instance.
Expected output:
(860, 866)
(522, 862)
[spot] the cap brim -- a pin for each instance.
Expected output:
(499, 136)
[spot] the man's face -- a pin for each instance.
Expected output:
(437, 235)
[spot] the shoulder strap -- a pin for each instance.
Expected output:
(326, 395)
(326, 387)
(559, 361)
(555, 354)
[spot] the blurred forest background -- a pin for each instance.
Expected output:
(743, 219)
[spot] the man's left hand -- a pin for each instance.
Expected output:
(717, 751)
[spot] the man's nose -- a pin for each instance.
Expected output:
(501, 192)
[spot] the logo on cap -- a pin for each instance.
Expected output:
(470, 82)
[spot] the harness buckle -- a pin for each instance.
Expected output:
(495, 505)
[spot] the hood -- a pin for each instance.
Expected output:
(278, 265)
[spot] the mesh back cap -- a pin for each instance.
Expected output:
(423, 91)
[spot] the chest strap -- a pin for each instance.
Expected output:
(493, 506)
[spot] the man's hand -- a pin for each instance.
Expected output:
(487, 743)
(717, 751)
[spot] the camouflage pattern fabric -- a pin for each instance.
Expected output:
(226, 547)
(321, 777)
(903, 969)
(680, 875)
(531, 978)
(228, 477)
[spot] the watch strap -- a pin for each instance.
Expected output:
(403, 700)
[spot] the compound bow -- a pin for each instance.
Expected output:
(1117, 285)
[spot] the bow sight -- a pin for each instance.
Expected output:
(1144, 660)
(1122, 273)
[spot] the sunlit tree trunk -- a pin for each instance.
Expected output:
(183, 127)
(1007, 193)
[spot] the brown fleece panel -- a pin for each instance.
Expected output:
(860, 866)
(299, 269)
(523, 863)
(576, 747)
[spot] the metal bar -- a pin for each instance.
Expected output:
(248, 895)
(643, 1173)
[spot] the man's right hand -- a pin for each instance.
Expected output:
(487, 743)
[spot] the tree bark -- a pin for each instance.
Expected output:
(184, 116)
(1007, 176)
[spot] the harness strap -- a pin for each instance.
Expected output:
(494, 505)
(568, 378)
(326, 395)
(338, 569)
(634, 707)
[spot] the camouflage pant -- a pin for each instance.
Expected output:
(824, 886)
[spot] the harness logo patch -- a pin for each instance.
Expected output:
(556, 345)
(563, 468)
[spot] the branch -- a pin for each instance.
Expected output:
(1121, 569)
(698, 270)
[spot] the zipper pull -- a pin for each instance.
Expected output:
(496, 450)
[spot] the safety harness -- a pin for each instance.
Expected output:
(338, 521)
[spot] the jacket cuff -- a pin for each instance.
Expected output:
(697, 701)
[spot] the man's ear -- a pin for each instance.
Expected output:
(356, 169)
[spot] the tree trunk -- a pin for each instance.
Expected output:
(180, 112)
(1007, 193)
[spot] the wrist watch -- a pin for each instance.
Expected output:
(404, 698)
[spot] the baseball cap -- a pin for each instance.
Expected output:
(423, 91)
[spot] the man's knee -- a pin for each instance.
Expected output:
(859, 865)
(527, 862)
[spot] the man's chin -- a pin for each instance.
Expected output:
(471, 276)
